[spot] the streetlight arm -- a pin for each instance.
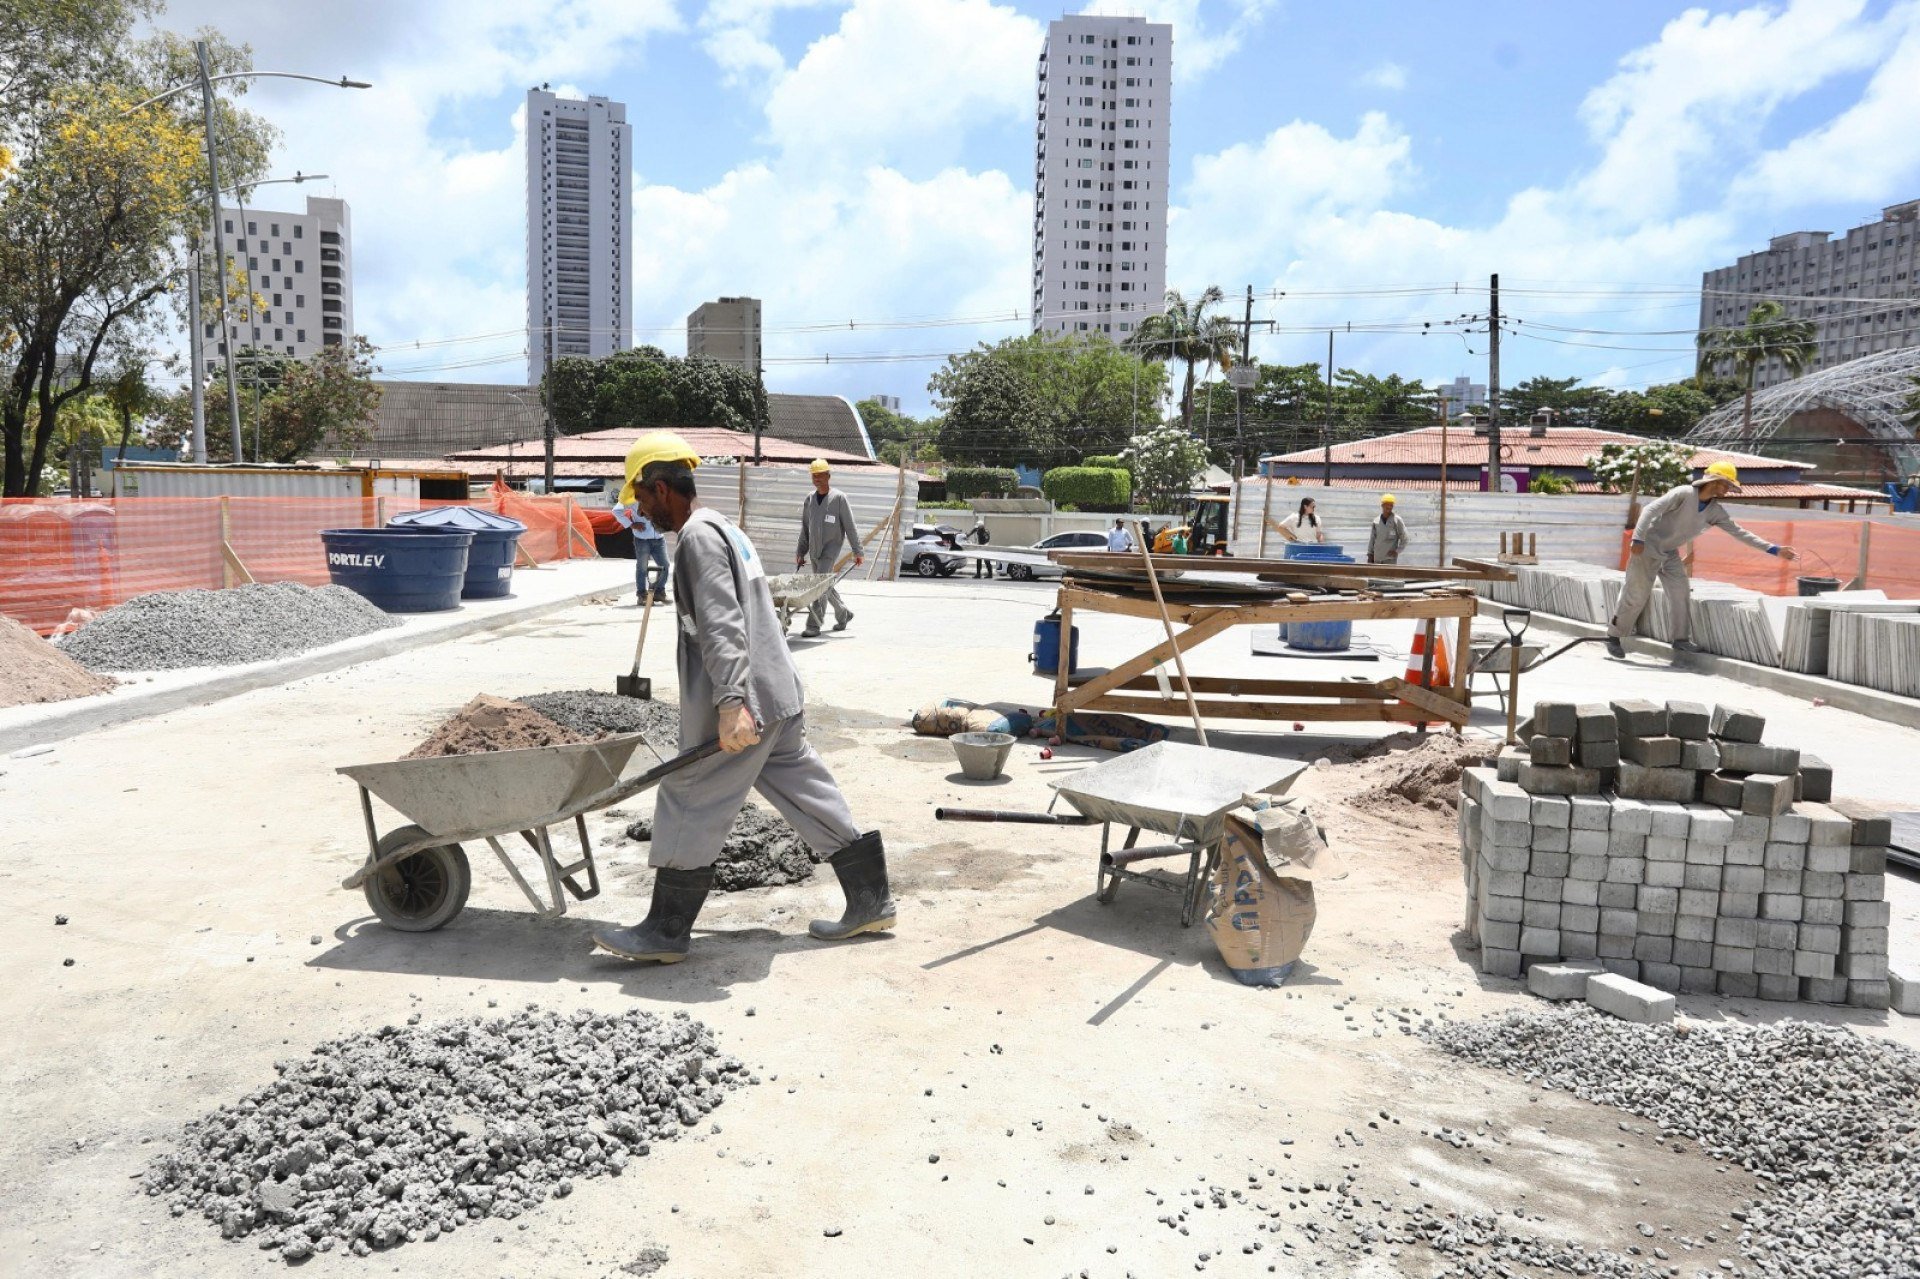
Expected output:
(341, 83)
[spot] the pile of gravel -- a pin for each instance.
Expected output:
(402, 1135)
(169, 630)
(1824, 1118)
(762, 851)
(593, 714)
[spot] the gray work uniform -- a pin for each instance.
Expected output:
(1386, 539)
(733, 649)
(1665, 527)
(825, 523)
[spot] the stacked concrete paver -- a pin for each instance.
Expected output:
(1669, 845)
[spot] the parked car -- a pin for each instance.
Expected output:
(921, 550)
(1081, 540)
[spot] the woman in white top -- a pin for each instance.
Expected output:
(1303, 525)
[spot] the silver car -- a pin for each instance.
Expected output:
(922, 550)
(1080, 540)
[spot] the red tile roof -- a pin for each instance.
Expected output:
(612, 446)
(1807, 489)
(1567, 447)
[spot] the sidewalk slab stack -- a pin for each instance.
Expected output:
(1669, 844)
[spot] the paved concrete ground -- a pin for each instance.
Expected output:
(1043, 1046)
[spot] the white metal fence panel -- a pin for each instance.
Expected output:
(774, 495)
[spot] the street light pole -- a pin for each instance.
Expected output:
(219, 244)
(197, 363)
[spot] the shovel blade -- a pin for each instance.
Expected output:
(640, 686)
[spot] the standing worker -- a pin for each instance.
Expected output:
(737, 683)
(980, 537)
(1303, 525)
(1118, 539)
(649, 552)
(1387, 536)
(1667, 524)
(825, 520)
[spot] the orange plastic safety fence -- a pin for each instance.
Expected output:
(59, 554)
(1827, 547)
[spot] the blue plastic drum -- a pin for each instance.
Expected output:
(400, 570)
(495, 537)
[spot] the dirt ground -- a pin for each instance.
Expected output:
(1079, 1071)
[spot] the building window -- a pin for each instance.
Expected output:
(299, 335)
(296, 231)
(229, 230)
(253, 228)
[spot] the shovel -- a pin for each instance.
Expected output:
(633, 683)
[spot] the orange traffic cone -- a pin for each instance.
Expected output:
(1442, 675)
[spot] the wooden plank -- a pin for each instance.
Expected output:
(1120, 563)
(1159, 653)
(1233, 687)
(1300, 711)
(1173, 641)
(1345, 609)
(1427, 700)
(233, 564)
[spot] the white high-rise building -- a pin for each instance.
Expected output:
(579, 228)
(300, 266)
(1101, 163)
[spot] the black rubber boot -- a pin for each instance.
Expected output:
(862, 868)
(664, 935)
(1615, 648)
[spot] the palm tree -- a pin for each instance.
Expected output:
(1769, 334)
(1185, 332)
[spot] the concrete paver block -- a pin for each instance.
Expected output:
(1709, 825)
(1549, 865)
(1691, 720)
(1654, 752)
(1499, 963)
(1499, 934)
(1618, 895)
(1698, 981)
(1831, 990)
(1864, 860)
(1692, 954)
(1669, 819)
(1905, 992)
(1791, 827)
(1864, 967)
(1551, 839)
(1813, 884)
(1666, 848)
(1816, 778)
(1629, 1000)
(1732, 959)
(1597, 754)
(1812, 963)
(1733, 724)
(1865, 888)
(1701, 756)
(1747, 852)
(1543, 943)
(1580, 892)
(1695, 875)
(1829, 859)
(1675, 785)
(1785, 857)
(1590, 812)
(1700, 853)
(1752, 757)
(1507, 763)
(1780, 987)
(1869, 914)
(1870, 824)
(1631, 817)
(1738, 985)
(1822, 910)
(1739, 905)
(1596, 723)
(1637, 717)
(1695, 928)
(1590, 843)
(1724, 790)
(1827, 826)
(1877, 994)
(1666, 874)
(1626, 870)
(1565, 980)
(1551, 810)
(1540, 914)
(1539, 780)
(1556, 719)
(1550, 752)
(1781, 906)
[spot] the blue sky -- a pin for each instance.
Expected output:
(871, 161)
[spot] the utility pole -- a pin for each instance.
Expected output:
(1326, 434)
(1493, 383)
(227, 336)
(546, 385)
(1239, 413)
(197, 359)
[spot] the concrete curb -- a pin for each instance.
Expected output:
(84, 715)
(1890, 708)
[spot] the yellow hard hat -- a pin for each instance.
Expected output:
(654, 446)
(1722, 471)
(818, 465)
(1387, 498)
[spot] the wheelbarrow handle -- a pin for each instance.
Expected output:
(1009, 815)
(653, 776)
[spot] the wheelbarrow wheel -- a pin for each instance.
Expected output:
(422, 891)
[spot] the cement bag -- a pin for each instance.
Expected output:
(1263, 908)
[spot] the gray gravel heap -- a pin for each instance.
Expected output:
(761, 851)
(1825, 1118)
(592, 713)
(169, 630)
(404, 1134)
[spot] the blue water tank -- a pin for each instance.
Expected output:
(1320, 637)
(1329, 552)
(400, 570)
(1046, 647)
(490, 561)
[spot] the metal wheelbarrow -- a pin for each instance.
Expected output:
(416, 876)
(796, 592)
(1169, 788)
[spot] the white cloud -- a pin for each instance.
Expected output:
(740, 38)
(1198, 45)
(1390, 76)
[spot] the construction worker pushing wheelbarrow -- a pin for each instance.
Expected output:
(737, 683)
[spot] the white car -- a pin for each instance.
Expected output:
(1081, 540)
(922, 550)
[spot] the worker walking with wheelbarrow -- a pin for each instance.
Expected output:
(737, 683)
(826, 521)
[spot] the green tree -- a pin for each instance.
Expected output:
(324, 403)
(1550, 484)
(1164, 460)
(83, 427)
(1184, 331)
(1668, 410)
(1047, 399)
(1769, 334)
(884, 426)
(1365, 399)
(646, 387)
(98, 200)
(1653, 467)
(1570, 403)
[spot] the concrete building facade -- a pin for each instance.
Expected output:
(1462, 394)
(1101, 162)
(579, 228)
(1862, 291)
(727, 330)
(300, 265)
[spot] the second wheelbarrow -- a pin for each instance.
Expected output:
(1169, 788)
(416, 877)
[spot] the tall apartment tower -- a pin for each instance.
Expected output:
(301, 267)
(728, 331)
(1101, 163)
(1862, 291)
(579, 228)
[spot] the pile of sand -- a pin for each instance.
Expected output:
(32, 670)
(1413, 770)
(490, 723)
